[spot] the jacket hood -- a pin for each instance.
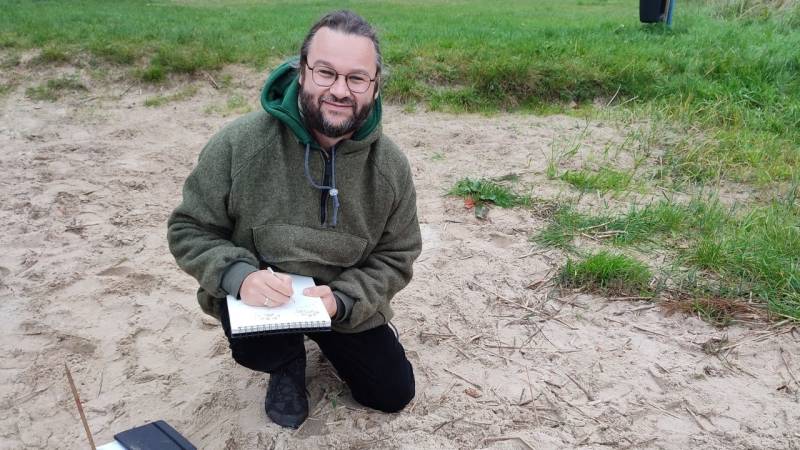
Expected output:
(279, 98)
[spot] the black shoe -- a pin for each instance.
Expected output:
(286, 403)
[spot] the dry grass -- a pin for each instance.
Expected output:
(715, 310)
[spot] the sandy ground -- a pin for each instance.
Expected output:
(501, 359)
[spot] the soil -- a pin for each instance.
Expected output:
(502, 359)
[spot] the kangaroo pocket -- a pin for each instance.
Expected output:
(283, 243)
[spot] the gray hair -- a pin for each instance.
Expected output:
(346, 22)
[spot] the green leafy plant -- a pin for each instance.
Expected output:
(488, 191)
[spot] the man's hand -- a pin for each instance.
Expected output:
(325, 293)
(266, 288)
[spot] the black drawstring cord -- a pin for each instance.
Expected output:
(332, 188)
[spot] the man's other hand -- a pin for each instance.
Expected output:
(325, 293)
(266, 288)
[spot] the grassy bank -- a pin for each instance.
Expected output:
(734, 81)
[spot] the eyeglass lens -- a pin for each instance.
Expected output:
(326, 77)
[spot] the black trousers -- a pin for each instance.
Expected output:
(373, 363)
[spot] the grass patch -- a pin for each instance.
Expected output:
(52, 54)
(486, 191)
(782, 12)
(151, 73)
(567, 223)
(607, 273)
(604, 180)
(9, 40)
(562, 150)
(639, 224)
(55, 88)
(115, 52)
(235, 104)
(161, 100)
(6, 88)
(10, 61)
(749, 254)
(755, 255)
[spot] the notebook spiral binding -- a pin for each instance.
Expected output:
(284, 327)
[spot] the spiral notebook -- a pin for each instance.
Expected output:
(300, 314)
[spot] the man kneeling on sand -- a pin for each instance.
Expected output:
(310, 186)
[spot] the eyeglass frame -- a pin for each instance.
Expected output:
(336, 78)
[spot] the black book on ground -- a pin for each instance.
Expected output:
(153, 436)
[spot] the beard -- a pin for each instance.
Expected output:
(315, 119)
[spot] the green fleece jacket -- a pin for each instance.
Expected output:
(248, 204)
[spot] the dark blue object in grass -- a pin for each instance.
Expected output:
(654, 11)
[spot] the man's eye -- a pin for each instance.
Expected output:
(358, 79)
(326, 73)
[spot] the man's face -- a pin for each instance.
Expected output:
(335, 111)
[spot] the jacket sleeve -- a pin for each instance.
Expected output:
(200, 228)
(388, 268)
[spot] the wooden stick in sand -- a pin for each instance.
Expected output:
(80, 408)
(463, 378)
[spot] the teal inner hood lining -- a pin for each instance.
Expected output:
(279, 98)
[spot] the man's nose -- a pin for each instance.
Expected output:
(339, 87)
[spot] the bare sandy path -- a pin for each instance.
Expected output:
(86, 186)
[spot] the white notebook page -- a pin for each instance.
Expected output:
(300, 312)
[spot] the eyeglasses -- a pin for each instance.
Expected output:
(324, 76)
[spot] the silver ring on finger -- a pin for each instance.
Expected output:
(266, 301)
